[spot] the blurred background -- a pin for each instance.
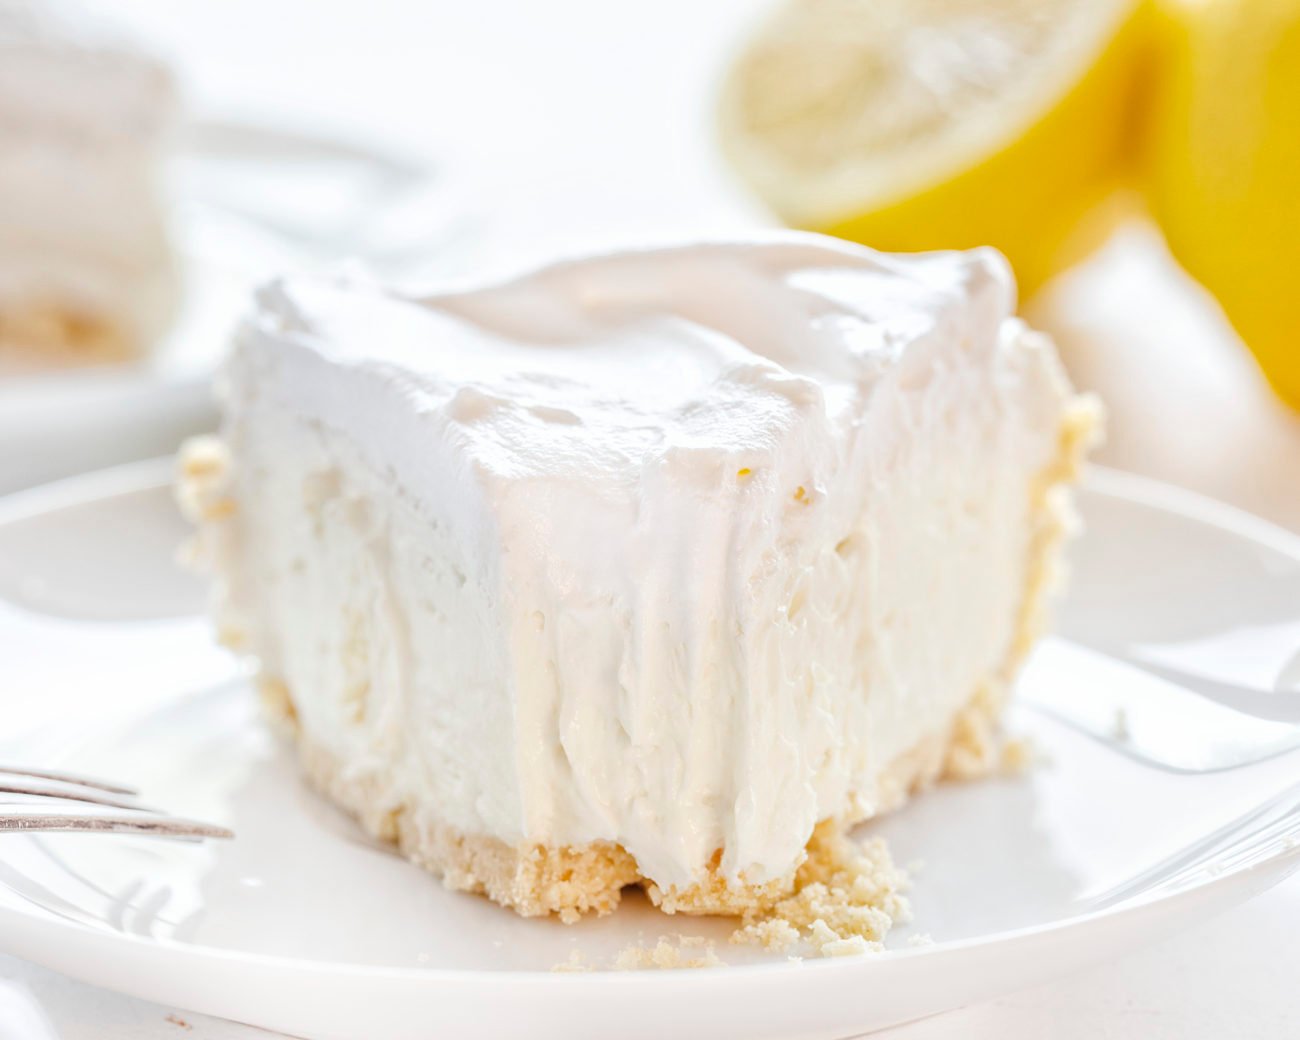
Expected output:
(431, 141)
(1138, 161)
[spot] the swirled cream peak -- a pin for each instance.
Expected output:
(592, 365)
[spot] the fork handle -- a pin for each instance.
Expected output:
(156, 826)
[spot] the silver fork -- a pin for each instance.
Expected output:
(53, 786)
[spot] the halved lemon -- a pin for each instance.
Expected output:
(930, 124)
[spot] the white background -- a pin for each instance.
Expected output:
(569, 123)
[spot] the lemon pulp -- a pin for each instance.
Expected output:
(927, 124)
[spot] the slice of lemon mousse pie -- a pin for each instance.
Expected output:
(638, 568)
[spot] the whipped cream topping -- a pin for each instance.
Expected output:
(588, 367)
(62, 74)
(681, 549)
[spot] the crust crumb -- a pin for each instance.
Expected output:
(203, 487)
(774, 934)
(277, 706)
(575, 962)
(717, 894)
(1019, 755)
(847, 897)
(670, 952)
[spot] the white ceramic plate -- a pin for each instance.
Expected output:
(1168, 710)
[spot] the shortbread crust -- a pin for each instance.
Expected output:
(55, 334)
(535, 880)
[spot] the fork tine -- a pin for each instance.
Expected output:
(67, 778)
(157, 826)
(70, 795)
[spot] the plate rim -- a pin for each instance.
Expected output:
(1267, 873)
(155, 474)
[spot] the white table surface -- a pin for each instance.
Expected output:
(577, 122)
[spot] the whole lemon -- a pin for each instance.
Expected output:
(1224, 165)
